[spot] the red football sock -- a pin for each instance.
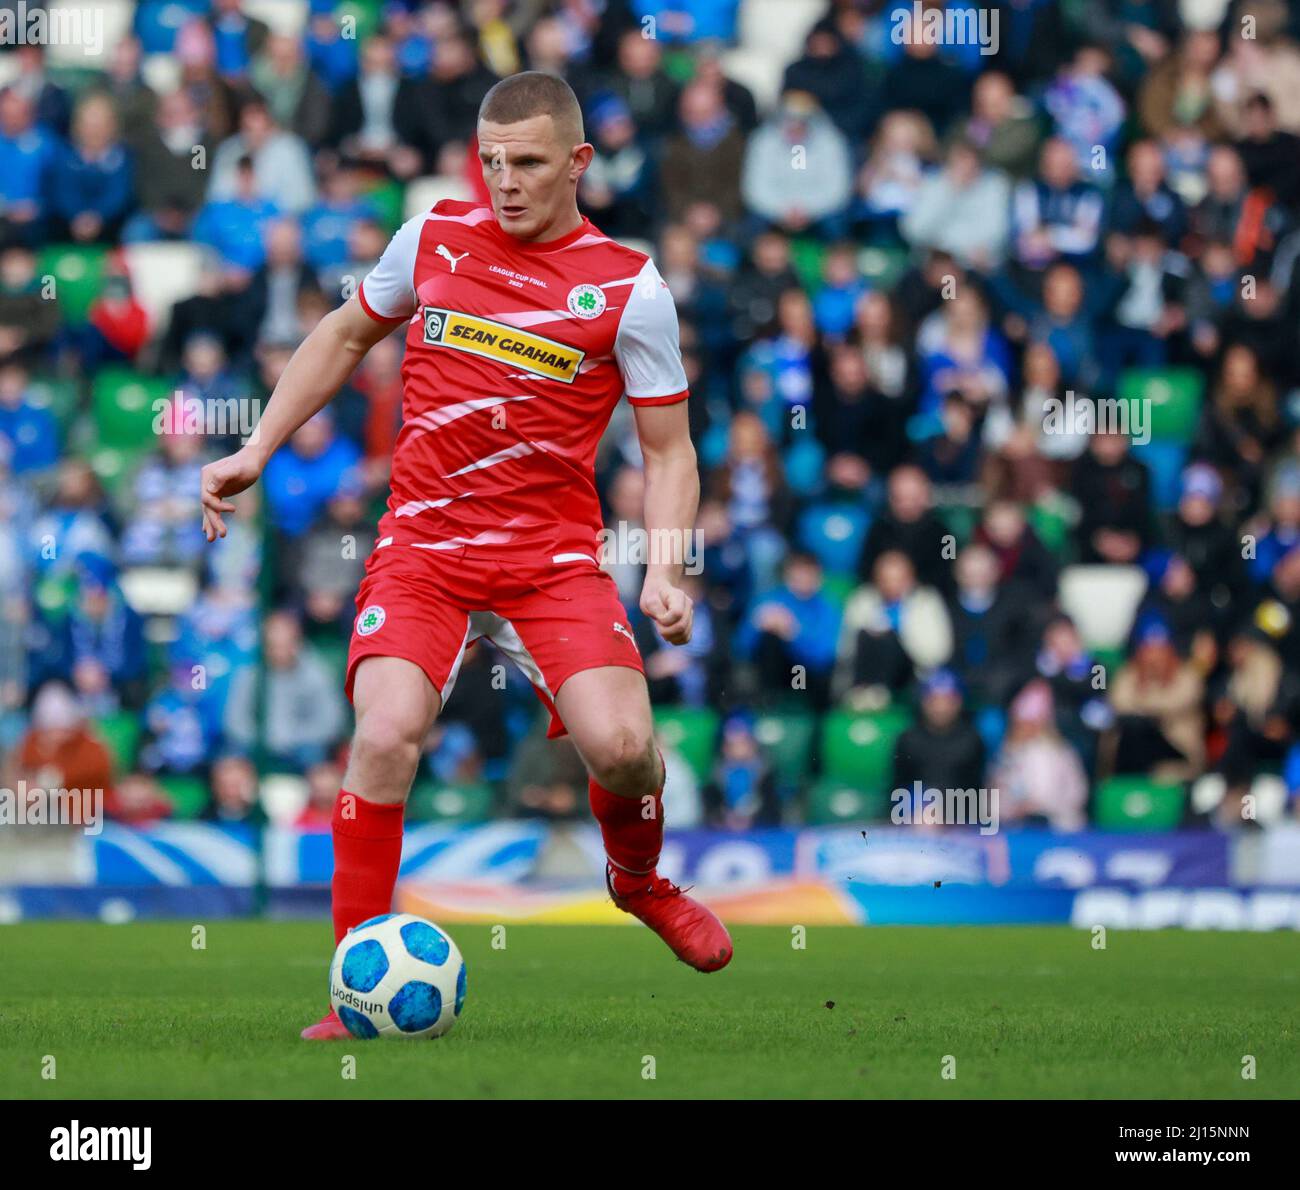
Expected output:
(633, 831)
(367, 853)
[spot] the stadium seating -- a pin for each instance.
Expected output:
(1139, 804)
(120, 731)
(57, 394)
(1174, 396)
(112, 21)
(787, 738)
(123, 405)
(453, 803)
(423, 193)
(859, 748)
(835, 534)
(1165, 461)
(693, 732)
(777, 27)
(283, 797)
(163, 274)
(832, 802)
(159, 590)
(1102, 601)
(189, 795)
(285, 16)
(78, 274)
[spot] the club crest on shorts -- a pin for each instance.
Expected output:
(371, 620)
(586, 301)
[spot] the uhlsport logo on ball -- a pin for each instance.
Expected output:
(397, 976)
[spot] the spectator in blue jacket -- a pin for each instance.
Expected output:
(302, 476)
(791, 633)
(90, 181)
(26, 153)
(100, 644)
(236, 226)
(183, 721)
(32, 432)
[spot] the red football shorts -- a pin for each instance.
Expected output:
(552, 619)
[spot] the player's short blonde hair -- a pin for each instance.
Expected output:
(535, 93)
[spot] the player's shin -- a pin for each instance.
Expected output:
(633, 831)
(367, 853)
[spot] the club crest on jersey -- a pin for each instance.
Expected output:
(501, 342)
(371, 620)
(586, 301)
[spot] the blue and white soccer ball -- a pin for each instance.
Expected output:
(397, 976)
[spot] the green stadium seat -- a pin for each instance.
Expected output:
(1175, 399)
(115, 467)
(78, 275)
(858, 749)
(679, 65)
(692, 731)
(366, 13)
(430, 802)
(1052, 527)
(788, 739)
(122, 403)
(120, 731)
(57, 395)
(1112, 660)
(1139, 804)
(189, 795)
(806, 256)
(334, 653)
(836, 803)
(882, 266)
(839, 587)
(959, 519)
(388, 200)
(54, 594)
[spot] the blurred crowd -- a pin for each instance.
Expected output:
(892, 260)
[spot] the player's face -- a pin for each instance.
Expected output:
(532, 175)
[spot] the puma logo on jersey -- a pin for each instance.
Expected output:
(445, 252)
(619, 628)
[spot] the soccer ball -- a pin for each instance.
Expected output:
(397, 975)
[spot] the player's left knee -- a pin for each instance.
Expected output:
(624, 760)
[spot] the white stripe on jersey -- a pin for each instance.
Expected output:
(436, 418)
(415, 507)
(518, 451)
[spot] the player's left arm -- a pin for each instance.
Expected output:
(649, 356)
(672, 497)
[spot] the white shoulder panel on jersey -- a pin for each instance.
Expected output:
(389, 288)
(646, 346)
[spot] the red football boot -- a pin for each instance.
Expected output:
(693, 932)
(328, 1028)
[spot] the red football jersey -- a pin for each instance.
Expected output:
(516, 355)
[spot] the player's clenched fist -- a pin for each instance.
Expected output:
(672, 610)
(225, 477)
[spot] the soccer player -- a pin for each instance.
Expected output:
(524, 326)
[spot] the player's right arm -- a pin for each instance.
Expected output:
(318, 369)
(323, 362)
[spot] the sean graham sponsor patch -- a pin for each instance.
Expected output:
(506, 344)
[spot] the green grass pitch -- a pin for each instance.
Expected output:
(570, 1011)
